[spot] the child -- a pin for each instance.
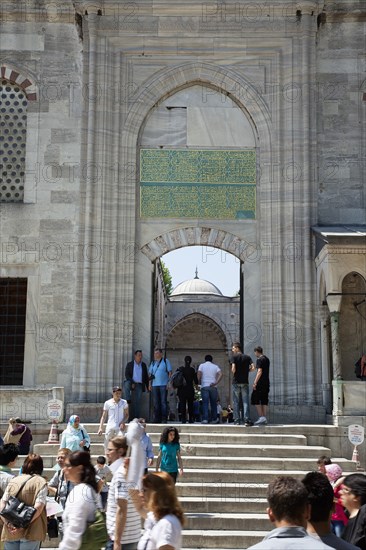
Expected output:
(147, 446)
(169, 454)
(322, 462)
(104, 473)
(339, 519)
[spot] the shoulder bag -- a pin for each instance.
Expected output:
(85, 448)
(96, 535)
(17, 512)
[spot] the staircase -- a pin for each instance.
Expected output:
(226, 472)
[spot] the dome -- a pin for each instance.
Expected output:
(196, 286)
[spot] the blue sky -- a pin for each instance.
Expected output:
(214, 265)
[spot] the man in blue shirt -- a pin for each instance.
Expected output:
(136, 381)
(160, 371)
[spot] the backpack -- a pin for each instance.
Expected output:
(178, 380)
(358, 368)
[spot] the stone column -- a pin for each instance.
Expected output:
(334, 303)
(324, 346)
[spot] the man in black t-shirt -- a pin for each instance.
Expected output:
(261, 386)
(241, 364)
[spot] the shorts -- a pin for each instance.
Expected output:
(260, 395)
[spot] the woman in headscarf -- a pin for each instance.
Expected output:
(75, 437)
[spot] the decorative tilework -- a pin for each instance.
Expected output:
(206, 184)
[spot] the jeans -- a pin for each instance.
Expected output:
(337, 527)
(129, 546)
(241, 390)
(133, 394)
(160, 397)
(108, 435)
(22, 544)
(209, 395)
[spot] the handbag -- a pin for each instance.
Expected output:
(85, 448)
(52, 527)
(96, 535)
(17, 512)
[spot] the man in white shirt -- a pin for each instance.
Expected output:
(209, 375)
(117, 411)
(123, 520)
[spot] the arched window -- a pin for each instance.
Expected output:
(13, 134)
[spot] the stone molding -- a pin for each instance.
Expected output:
(199, 236)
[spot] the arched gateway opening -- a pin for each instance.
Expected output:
(197, 176)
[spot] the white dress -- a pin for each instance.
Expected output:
(166, 531)
(79, 510)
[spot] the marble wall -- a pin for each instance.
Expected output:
(110, 79)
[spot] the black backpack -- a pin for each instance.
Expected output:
(178, 380)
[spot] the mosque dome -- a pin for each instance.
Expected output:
(196, 286)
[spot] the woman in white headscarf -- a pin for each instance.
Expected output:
(75, 437)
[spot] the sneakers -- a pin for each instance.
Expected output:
(262, 421)
(248, 423)
(217, 421)
(204, 422)
(236, 422)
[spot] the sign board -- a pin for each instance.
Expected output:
(356, 434)
(55, 410)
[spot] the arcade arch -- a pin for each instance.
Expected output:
(198, 335)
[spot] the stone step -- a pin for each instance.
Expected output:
(229, 463)
(256, 439)
(247, 438)
(259, 450)
(223, 490)
(217, 539)
(228, 522)
(219, 505)
(292, 430)
(213, 450)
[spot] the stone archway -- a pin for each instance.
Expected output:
(205, 314)
(198, 335)
(352, 323)
(201, 236)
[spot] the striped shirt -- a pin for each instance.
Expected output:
(119, 490)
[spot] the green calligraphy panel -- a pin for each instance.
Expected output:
(205, 184)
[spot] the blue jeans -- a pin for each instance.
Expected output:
(337, 527)
(160, 397)
(22, 544)
(133, 394)
(241, 407)
(209, 395)
(129, 546)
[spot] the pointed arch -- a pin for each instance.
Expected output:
(170, 80)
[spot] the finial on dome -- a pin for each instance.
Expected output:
(196, 277)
